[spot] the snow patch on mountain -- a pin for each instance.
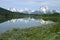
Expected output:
(13, 9)
(41, 10)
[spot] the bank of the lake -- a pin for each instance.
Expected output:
(45, 32)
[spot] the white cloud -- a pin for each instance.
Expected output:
(32, 2)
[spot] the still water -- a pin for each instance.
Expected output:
(22, 23)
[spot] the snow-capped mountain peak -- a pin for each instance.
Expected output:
(44, 9)
(13, 9)
(26, 10)
(41, 10)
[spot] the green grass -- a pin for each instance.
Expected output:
(46, 32)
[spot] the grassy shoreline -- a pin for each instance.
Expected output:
(51, 32)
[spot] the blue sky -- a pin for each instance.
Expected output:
(31, 4)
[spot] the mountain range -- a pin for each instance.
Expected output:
(41, 10)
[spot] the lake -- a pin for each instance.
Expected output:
(22, 23)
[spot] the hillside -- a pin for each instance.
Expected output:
(7, 15)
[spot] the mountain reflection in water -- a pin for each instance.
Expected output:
(22, 23)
